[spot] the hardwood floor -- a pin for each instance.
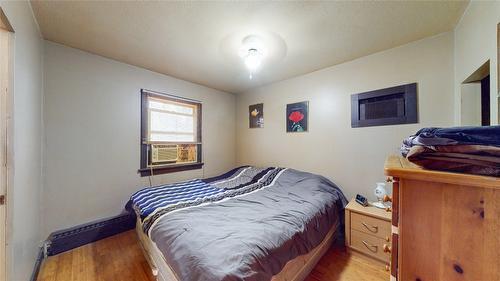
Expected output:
(112, 259)
(120, 258)
(338, 265)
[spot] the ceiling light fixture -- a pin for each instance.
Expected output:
(253, 60)
(252, 53)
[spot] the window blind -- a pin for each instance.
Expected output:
(171, 121)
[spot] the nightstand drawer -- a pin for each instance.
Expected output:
(371, 225)
(370, 245)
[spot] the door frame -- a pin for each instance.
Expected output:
(6, 105)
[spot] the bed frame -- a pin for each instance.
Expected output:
(295, 270)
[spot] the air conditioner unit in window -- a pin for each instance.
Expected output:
(163, 153)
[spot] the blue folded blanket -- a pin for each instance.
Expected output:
(486, 135)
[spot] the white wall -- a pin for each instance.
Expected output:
(351, 157)
(476, 43)
(92, 124)
(23, 200)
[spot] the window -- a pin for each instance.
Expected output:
(170, 134)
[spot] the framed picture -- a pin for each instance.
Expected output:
(297, 117)
(256, 115)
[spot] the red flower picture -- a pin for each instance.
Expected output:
(297, 116)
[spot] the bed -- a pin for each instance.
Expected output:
(248, 224)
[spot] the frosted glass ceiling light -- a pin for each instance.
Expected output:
(253, 60)
(252, 53)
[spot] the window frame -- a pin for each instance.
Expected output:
(146, 170)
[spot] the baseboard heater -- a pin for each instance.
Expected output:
(67, 239)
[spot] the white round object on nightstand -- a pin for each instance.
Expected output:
(380, 192)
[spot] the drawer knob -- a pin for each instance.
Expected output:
(387, 267)
(386, 248)
(370, 247)
(371, 228)
(387, 238)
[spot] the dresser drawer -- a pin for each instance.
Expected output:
(366, 224)
(369, 245)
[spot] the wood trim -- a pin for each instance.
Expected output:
(144, 130)
(67, 239)
(6, 172)
(170, 169)
(400, 167)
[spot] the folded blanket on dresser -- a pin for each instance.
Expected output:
(474, 150)
(244, 225)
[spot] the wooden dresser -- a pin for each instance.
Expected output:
(368, 231)
(445, 226)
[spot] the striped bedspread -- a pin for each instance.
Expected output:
(153, 203)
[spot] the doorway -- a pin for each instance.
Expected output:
(485, 101)
(475, 98)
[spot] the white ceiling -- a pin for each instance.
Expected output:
(199, 41)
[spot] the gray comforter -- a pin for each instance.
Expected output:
(253, 236)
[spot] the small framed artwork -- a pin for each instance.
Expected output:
(256, 115)
(297, 117)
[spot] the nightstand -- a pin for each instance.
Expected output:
(368, 231)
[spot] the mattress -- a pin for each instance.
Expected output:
(245, 225)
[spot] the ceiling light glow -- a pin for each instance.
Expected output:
(253, 60)
(252, 53)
